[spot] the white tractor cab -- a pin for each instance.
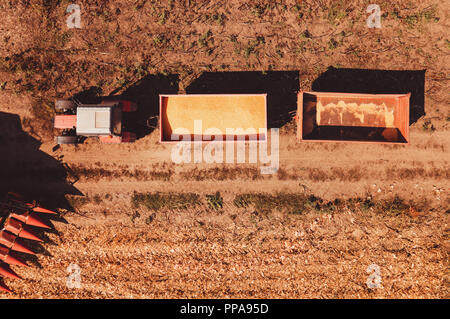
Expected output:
(83, 120)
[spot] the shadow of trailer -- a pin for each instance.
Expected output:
(369, 81)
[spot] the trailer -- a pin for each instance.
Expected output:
(353, 117)
(213, 117)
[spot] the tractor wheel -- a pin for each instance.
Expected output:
(69, 139)
(64, 105)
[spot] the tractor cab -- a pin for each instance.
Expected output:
(93, 120)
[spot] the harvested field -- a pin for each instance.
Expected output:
(244, 252)
(141, 226)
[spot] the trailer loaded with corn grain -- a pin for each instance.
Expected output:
(345, 117)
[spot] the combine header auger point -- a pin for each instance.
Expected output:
(30, 219)
(9, 258)
(16, 202)
(15, 215)
(12, 241)
(4, 288)
(19, 229)
(6, 271)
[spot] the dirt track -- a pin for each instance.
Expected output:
(382, 170)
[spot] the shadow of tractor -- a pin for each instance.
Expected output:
(145, 93)
(26, 170)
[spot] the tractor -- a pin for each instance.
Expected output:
(105, 120)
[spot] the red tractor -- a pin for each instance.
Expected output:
(104, 120)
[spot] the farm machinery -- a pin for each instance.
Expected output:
(321, 117)
(105, 120)
(19, 220)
